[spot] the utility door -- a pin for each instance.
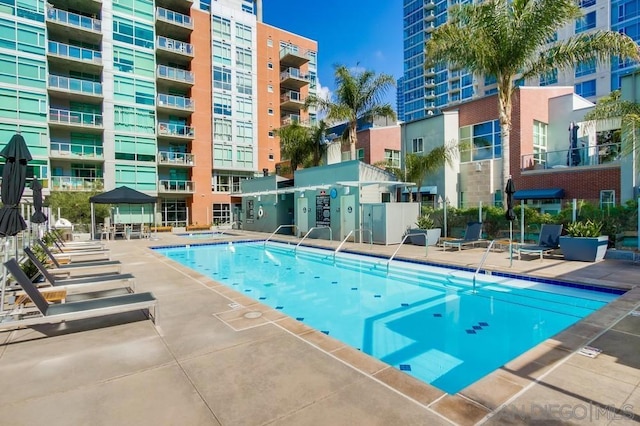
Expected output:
(302, 216)
(347, 215)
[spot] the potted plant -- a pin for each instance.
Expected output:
(425, 225)
(583, 241)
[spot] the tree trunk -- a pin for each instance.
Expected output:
(504, 113)
(353, 138)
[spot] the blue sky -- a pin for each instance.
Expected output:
(349, 32)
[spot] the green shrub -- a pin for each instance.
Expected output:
(587, 228)
(425, 222)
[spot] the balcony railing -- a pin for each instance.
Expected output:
(73, 19)
(75, 85)
(75, 150)
(75, 118)
(293, 73)
(177, 158)
(174, 17)
(74, 52)
(175, 101)
(175, 74)
(185, 186)
(69, 183)
(174, 45)
(291, 96)
(173, 129)
(583, 156)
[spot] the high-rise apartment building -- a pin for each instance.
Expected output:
(164, 96)
(426, 91)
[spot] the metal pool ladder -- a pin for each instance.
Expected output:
(347, 237)
(484, 257)
(426, 245)
(309, 231)
(274, 232)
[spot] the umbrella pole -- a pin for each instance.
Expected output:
(4, 273)
(510, 243)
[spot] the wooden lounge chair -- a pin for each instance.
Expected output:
(471, 236)
(84, 309)
(548, 241)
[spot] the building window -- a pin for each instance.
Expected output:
(482, 141)
(587, 3)
(270, 88)
(271, 156)
(222, 130)
(270, 111)
(244, 133)
(549, 78)
(243, 35)
(539, 143)
(497, 198)
(221, 27)
(417, 145)
(221, 78)
(244, 83)
(607, 199)
(244, 59)
(586, 88)
(221, 53)
(360, 154)
(221, 214)
(270, 65)
(392, 158)
(222, 104)
(585, 68)
(244, 108)
(586, 23)
(269, 42)
(271, 134)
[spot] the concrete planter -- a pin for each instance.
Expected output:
(584, 249)
(433, 235)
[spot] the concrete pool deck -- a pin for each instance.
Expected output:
(214, 361)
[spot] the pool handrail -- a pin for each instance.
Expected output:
(274, 232)
(340, 246)
(309, 231)
(484, 257)
(426, 245)
(370, 235)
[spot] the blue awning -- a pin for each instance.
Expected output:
(539, 194)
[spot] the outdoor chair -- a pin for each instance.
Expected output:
(76, 244)
(64, 248)
(136, 231)
(78, 255)
(471, 236)
(67, 261)
(120, 229)
(78, 269)
(121, 280)
(548, 241)
(91, 308)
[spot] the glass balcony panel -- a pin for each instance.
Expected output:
(75, 85)
(71, 183)
(74, 52)
(175, 45)
(582, 156)
(175, 74)
(66, 148)
(73, 19)
(176, 186)
(175, 101)
(74, 118)
(175, 17)
(175, 129)
(178, 158)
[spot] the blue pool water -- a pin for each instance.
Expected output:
(201, 235)
(424, 320)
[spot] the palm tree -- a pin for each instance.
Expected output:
(358, 97)
(294, 144)
(418, 167)
(612, 107)
(318, 142)
(509, 39)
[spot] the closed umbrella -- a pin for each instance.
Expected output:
(38, 216)
(573, 156)
(510, 215)
(14, 176)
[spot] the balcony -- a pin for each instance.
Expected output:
(77, 88)
(64, 22)
(70, 183)
(577, 158)
(174, 49)
(175, 131)
(289, 119)
(68, 150)
(429, 17)
(173, 23)
(293, 56)
(176, 159)
(60, 54)
(176, 186)
(291, 100)
(429, 28)
(177, 105)
(430, 72)
(293, 78)
(429, 5)
(65, 118)
(429, 83)
(175, 75)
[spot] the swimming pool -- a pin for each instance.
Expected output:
(202, 235)
(424, 320)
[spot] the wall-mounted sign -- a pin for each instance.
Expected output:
(323, 210)
(333, 193)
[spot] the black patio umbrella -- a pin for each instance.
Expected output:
(510, 215)
(37, 216)
(14, 176)
(573, 156)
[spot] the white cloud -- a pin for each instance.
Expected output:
(323, 92)
(379, 55)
